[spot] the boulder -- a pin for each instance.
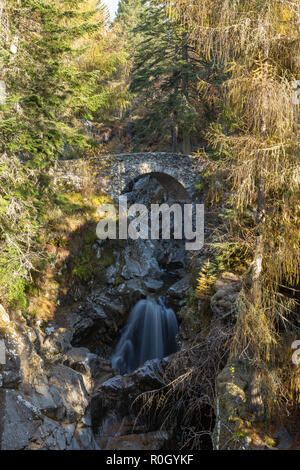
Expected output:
(140, 261)
(55, 436)
(176, 257)
(132, 291)
(56, 342)
(153, 285)
(180, 289)
(19, 419)
(68, 393)
(115, 410)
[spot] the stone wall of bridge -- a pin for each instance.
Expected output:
(114, 173)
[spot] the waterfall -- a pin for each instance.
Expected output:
(149, 334)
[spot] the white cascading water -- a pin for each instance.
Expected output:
(149, 334)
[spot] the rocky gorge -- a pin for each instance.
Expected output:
(58, 388)
(61, 390)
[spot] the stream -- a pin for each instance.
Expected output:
(149, 334)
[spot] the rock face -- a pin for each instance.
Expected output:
(285, 441)
(180, 288)
(231, 407)
(116, 406)
(44, 405)
(57, 388)
(4, 317)
(140, 262)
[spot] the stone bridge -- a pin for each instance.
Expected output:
(115, 174)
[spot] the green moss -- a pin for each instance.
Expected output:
(84, 264)
(13, 282)
(199, 187)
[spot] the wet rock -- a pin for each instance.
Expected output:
(82, 328)
(153, 285)
(102, 373)
(139, 261)
(180, 288)
(85, 322)
(132, 291)
(176, 258)
(112, 273)
(114, 410)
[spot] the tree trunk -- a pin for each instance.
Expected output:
(187, 147)
(185, 90)
(174, 137)
(255, 392)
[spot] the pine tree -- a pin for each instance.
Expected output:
(42, 91)
(164, 78)
(45, 90)
(105, 55)
(128, 16)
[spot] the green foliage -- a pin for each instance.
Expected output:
(128, 17)
(232, 256)
(254, 139)
(206, 279)
(45, 88)
(164, 78)
(24, 196)
(13, 278)
(84, 266)
(86, 263)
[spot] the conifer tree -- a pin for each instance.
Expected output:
(165, 76)
(128, 16)
(44, 87)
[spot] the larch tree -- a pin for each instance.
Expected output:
(255, 144)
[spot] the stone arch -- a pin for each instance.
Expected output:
(175, 188)
(124, 168)
(119, 170)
